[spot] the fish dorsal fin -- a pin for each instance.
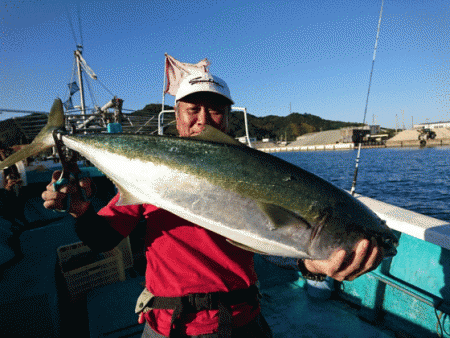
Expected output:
(212, 134)
(245, 247)
(281, 217)
(56, 116)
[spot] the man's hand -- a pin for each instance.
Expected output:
(54, 199)
(340, 266)
(10, 183)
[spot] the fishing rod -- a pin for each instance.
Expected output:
(355, 175)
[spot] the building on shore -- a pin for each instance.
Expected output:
(432, 125)
(243, 139)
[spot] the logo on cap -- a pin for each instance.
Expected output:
(201, 79)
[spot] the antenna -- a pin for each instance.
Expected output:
(403, 118)
(396, 123)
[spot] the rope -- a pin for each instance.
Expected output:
(91, 93)
(352, 191)
(71, 26)
(439, 329)
(104, 87)
(79, 24)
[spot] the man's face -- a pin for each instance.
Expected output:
(200, 109)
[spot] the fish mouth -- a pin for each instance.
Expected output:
(386, 241)
(318, 248)
(389, 245)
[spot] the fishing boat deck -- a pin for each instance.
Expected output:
(291, 312)
(286, 305)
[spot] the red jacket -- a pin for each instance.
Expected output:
(184, 258)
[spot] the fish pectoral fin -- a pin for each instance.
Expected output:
(212, 134)
(281, 217)
(245, 247)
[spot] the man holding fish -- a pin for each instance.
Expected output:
(198, 283)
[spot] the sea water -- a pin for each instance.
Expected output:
(417, 179)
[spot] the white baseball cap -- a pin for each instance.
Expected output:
(195, 83)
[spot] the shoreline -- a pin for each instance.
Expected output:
(351, 146)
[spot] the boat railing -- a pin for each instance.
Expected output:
(411, 223)
(136, 124)
(161, 123)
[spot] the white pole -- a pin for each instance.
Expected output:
(246, 128)
(245, 122)
(160, 128)
(80, 80)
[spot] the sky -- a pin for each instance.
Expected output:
(277, 57)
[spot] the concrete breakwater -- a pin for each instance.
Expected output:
(338, 146)
(429, 143)
(351, 146)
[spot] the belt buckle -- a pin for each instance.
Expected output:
(202, 301)
(143, 301)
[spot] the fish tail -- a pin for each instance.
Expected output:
(43, 140)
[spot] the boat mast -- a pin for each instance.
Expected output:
(78, 57)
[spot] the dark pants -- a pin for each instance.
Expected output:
(257, 328)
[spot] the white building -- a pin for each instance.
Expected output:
(243, 139)
(432, 125)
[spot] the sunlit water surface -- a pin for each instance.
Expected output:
(411, 178)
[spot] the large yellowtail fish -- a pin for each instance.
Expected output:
(255, 200)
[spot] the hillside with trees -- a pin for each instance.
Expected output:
(282, 127)
(150, 110)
